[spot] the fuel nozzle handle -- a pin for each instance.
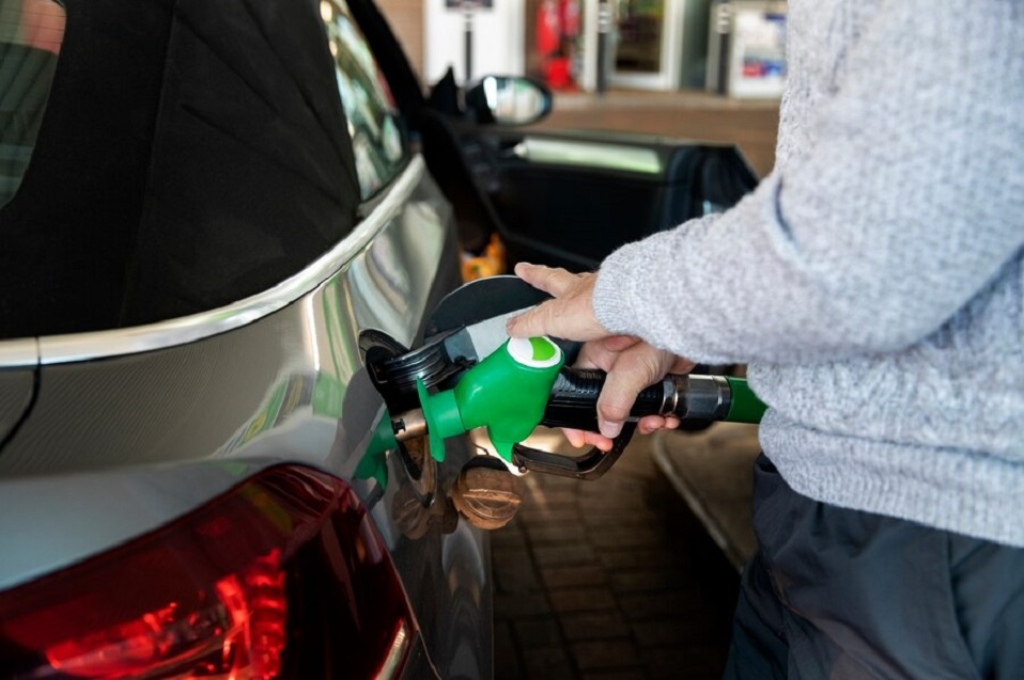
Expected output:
(691, 398)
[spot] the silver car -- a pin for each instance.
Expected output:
(203, 205)
(206, 208)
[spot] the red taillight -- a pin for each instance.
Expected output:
(284, 576)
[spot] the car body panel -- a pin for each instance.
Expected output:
(109, 435)
(17, 388)
(127, 434)
(232, 389)
(59, 520)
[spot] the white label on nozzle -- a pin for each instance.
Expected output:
(538, 352)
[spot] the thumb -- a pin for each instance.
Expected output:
(635, 369)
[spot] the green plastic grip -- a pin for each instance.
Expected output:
(745, 406)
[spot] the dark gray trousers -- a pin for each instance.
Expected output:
(836, 593)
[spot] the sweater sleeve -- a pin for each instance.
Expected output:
(910, 201)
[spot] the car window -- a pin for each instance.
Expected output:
(373, 120)
(31, 32)
(194, 157)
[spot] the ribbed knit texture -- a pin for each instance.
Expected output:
(874, 281)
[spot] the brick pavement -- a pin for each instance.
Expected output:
(607, 579)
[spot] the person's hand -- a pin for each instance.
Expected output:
(570, 315)
(631, 365)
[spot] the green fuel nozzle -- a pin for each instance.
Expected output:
(524, 383)
(507, 393)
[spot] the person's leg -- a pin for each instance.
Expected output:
(758, 650)
(861, 595)
(988, 593)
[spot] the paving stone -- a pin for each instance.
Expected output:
(533, 514)
(520, 605)
(631, 559)
(647, 537)
(647, 579)
(603, 518)
(574, 600)
(506, 656)
(515, 573)
(538, 633)
(633, 501)
(549, 496)
(552, 662)
(659, 605)
(563, 555)
(596, 625)
(509, 538)
(605, 654)
(551, 499)
(550, 532)
(637, 673)
(574, 576)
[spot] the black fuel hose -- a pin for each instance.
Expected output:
(691, 398)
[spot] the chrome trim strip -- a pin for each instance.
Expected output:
(20, 353)
(60, 349)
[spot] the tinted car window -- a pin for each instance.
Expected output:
(192, 154)
(31, 33)
(373, 121)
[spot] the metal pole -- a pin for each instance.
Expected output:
(723, 27)
(604, 29)
(468, 34)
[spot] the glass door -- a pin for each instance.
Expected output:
(640, 25)
(651, 44)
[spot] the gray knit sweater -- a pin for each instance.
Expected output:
(874, 281)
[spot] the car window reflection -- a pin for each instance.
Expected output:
(373, 120)
(31, 33)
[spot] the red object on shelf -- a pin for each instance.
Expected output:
(559, 73)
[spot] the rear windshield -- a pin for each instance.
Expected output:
(191, 154)
(31, 33)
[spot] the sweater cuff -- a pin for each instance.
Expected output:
(613, 291)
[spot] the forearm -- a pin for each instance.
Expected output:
(909, 202)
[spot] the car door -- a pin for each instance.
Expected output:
(570, 198)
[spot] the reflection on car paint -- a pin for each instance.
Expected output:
(307, 350)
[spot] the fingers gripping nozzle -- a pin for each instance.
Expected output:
(689, 398)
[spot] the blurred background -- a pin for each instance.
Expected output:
(701, 69)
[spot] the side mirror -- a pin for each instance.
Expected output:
(508, 100)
